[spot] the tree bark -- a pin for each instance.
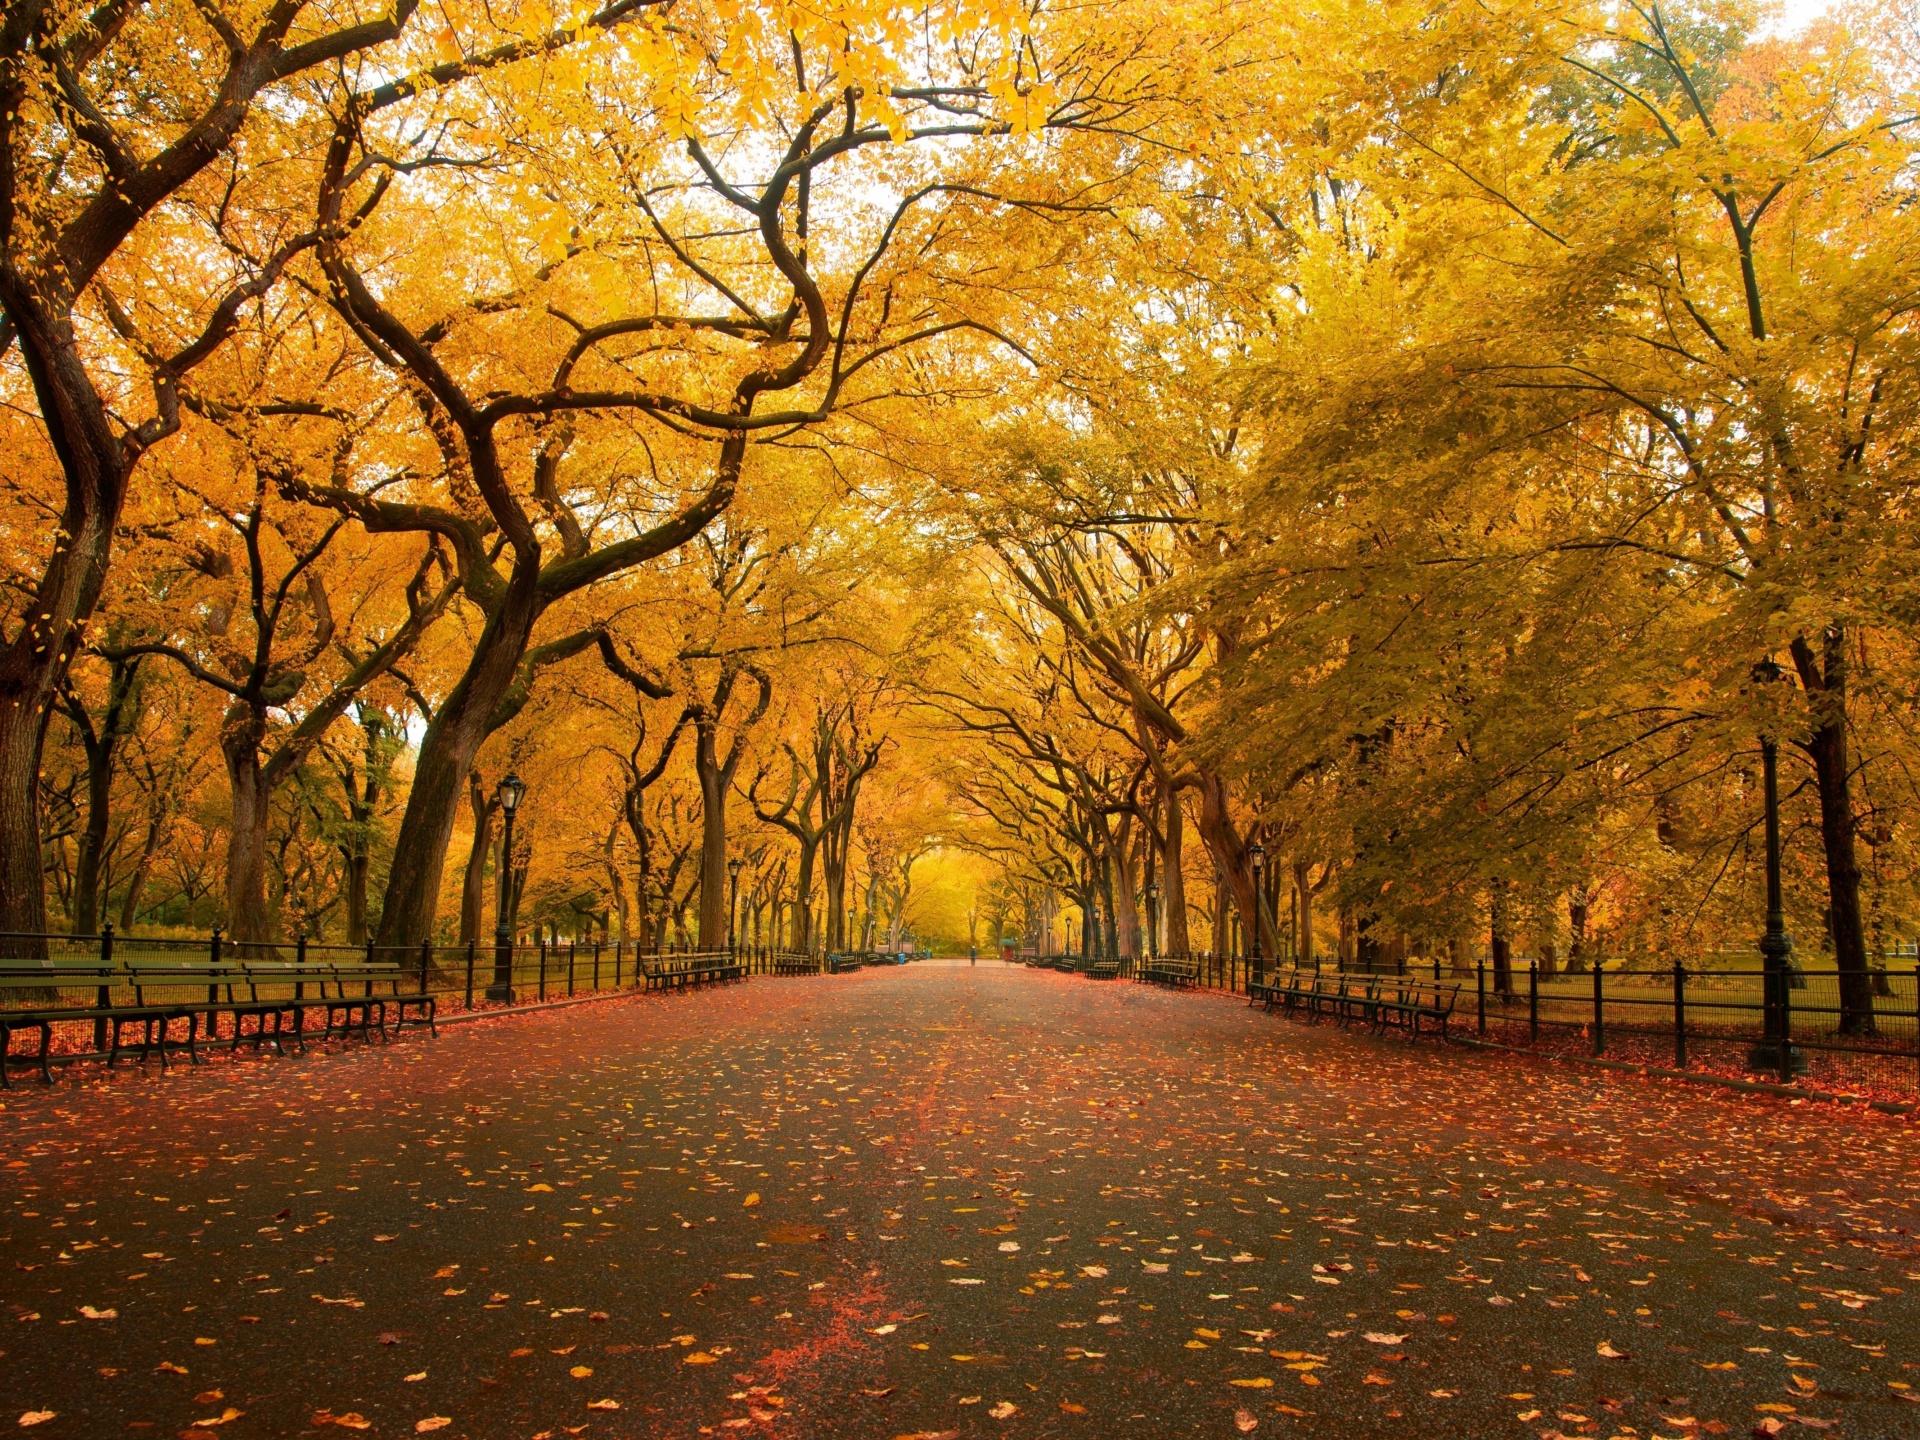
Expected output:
(1173, 878)
(247, 919)
(1303, 902)
(473, 884)
(1825, 680)
(447, 752)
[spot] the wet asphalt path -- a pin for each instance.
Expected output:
(945, 1201)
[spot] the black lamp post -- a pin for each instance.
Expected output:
(512, 787)
(1153, 920)
(1775, 1051)
(1257, 854)
(733, 904)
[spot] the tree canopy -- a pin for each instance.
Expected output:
(985, 469)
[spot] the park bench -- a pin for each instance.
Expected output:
(1405, 1002)
(1166, 971)
(1103, 970)
(679, 971)
(1285, 988)
(25, 1005)
(795, 965)
(1066, 964)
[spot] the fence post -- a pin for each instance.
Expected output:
(426, 959)
(470, 945)
(369, 967)
(1599, 1011)
(213, 989)
(572, 945)
(1480, 993)
(543, 968)
(596, 967)
(1533, 1002)
(103, 997)
(1679, 1016)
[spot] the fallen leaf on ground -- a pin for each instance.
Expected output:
(432, 1422)
(1004, 1409)
(36, 1417)
(1245, 1421)
(1606, 1351)
(603, 1404)
(1377, 1337)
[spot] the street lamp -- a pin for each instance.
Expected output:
(733, 903)
(1153, 920)
(1775, 1051)
(512, 787)
(1257, 854)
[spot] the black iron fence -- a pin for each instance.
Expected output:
(93, 975)
(1723, 1019)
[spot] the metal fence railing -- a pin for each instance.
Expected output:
(1721, 1019)
(93, 975)
(1715, 1019)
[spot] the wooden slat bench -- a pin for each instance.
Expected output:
(1166, 971)
(1405, 1003)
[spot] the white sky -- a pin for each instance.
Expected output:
(1796, 13)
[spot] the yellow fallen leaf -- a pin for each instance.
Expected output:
(539, 1190)
(580, 1372)
(1606, 1351)
(698, 1357)
(417, 1375)
(432, 1422)
(753, 1198)
(1773, 1407)
(603, 1404)
(36, 1417)
(221, 1419)
(1258, 1382)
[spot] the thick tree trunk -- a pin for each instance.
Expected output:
(142, 870)
(1303, 904)
(1229, 855)
(714, 784)
(453, 738)
(1173, 880)
(91, 851)
(1501, 947)
(35, 661)
(1825, 679)
(1577, 938)
(473, 883)
(247, 919)
(358, 862)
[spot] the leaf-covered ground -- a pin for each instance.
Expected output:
(946, 1201)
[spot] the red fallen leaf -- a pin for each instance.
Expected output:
(388, 1337)
(598, 1315)
(879, 1394)
(1245, 1421)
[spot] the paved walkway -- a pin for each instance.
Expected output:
(942, 1201)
